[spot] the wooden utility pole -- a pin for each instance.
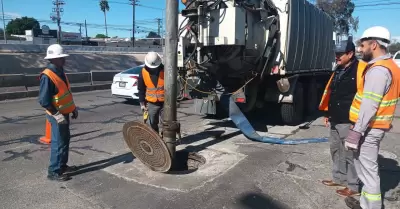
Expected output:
(57, 10)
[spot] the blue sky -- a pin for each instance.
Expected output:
(120, 15)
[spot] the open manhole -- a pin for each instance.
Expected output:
(186, 162)
(147, 146)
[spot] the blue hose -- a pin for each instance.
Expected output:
(245, 127)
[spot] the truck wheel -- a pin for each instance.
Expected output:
(293, 113)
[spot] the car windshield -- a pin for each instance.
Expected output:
(134, 70)
(397, 57)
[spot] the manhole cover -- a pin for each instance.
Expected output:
(147, 146)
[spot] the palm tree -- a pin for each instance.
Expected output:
(104, 7)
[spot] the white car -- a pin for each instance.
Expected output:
(125, 83)
(396, 58)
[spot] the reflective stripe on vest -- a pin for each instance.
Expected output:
(323, 105)
(153, 93)
(63, 100)
(385, 113)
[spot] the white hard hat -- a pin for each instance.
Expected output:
(152, 60)
(55, 51)
(380, 33)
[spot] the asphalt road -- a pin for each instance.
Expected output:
(239, 173)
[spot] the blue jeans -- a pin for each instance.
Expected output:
(60, 137)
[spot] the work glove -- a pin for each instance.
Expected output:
(75, 114)
(143, 107)
(352, 140)
(60, 118)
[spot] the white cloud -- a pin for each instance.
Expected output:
(11, 15)
(396, 38)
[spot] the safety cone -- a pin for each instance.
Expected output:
(46, 139)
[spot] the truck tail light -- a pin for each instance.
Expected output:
(240, 100)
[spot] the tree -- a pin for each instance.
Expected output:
(341, 11)
(19, 25)
(393, 48)
(104, 7)
(101, 36)
(153, 34)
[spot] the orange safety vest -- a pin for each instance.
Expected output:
(323, 105)
(387, 106)
(154, 94)
(63, 100)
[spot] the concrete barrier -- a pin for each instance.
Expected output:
(79, 77)
(31, 80)
(103, 75)
(12, 80)
(80, 82)
(13, 95)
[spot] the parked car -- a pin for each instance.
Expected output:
(396, 58)
(125, 83)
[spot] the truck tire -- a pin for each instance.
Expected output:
(293, 113)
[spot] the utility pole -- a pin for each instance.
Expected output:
(87, 39)
(134, 4)
(171, 125)
(159, 26)
(57, 10)
(4, 22)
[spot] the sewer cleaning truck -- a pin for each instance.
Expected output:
(260, 52)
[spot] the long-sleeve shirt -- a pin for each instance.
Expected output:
(154, 74)
(48, 89)
(377, 82)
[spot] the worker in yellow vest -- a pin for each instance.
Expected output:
(151, 88)
(56, 98)
(372, 111)
(336, 101)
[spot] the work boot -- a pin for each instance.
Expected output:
(68, 169)
(352, 203)
(58, 177)
(331, 183)
(346, 192)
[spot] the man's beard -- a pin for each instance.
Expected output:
(367, 57)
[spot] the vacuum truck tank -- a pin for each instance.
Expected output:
(259, 51)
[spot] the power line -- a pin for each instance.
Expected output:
(380, 4)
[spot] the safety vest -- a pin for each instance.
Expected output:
(323, 105)
(63, 100)
(154, 94)
(387, 106)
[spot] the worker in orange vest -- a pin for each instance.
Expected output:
(336, 100)
(151, 88)
(56, 98)
(372, 111)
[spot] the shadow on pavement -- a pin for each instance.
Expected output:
(101, 164)
(259, 201)
(218, 137)
(390, 178)
(32, 139)
(84, 133)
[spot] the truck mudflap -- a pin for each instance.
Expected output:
(247, 129)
